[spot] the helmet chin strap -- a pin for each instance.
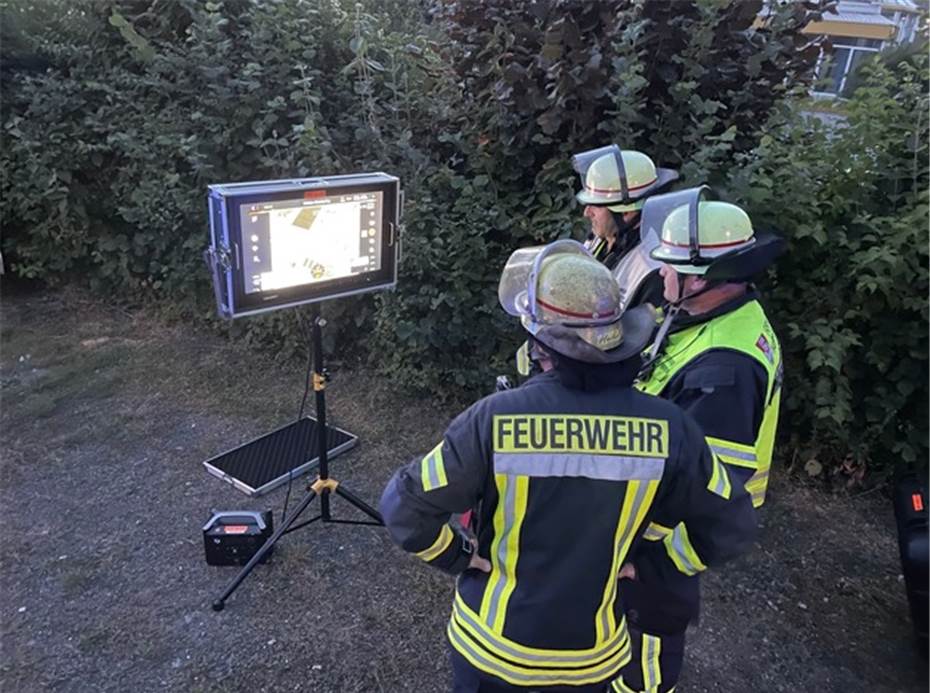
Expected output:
(675, 307)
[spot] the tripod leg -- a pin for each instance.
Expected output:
(231, 587)
(359, 503)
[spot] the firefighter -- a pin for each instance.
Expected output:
(717, 357)
(616, 183)
(565, 472)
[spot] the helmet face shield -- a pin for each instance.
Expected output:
(694, 229)
(515, 286)
(603, 176)
(560, 289)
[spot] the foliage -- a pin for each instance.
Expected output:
(118, 113)
(851, 295)
(544, 80)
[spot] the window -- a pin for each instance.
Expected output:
(835, 67)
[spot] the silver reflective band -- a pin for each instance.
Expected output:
(604, 467)
(626, 535)
(678, 545)
(652, 672)
(500, 575)
(731, 452)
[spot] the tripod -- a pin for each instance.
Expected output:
(324, 485)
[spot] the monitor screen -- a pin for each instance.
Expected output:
(300, 241)
(276, 244)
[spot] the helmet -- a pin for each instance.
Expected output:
(619, 180)
(699, 235)
(571, 303)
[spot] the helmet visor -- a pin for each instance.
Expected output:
(672, 220)
(517, 288)
(601, 187)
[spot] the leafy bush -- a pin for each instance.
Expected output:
(118, 113)
(850, 297)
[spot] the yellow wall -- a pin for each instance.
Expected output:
(851, 30)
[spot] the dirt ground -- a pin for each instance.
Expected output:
(106, 417)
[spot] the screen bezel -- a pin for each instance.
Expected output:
(259, 301)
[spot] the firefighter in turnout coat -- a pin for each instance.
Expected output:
(565, 473)
(717, 357)
(615, 185)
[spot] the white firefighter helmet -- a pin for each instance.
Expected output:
(571, 303)
(619, 179)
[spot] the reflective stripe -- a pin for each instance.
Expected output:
(620, 687)
(606, 467)
(433, 470)
(656, 532)
(476, 629)
(636, 504)
(719, 480)
(652, 672)
(743, 455)
(535, 676)
(446, 535)
(508, 518)
(682, 553)
(757, 486)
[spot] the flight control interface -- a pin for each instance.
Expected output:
(315, 238)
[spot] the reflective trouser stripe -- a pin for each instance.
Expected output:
(636, 503)
(679, 548)
(508, 518)
(620, 687)
(432, 470)
(719, 479)
(545, 672)
(652, 672)
(441, 544)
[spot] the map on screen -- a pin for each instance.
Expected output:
(297, 242)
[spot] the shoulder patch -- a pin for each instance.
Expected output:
(763, 345)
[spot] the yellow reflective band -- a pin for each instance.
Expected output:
(679, 549)
(569, 433)
(652, 672)
(597, 246)
(476, 629)
(524, 363)
(534, 676)
(505, 549)
(719, 480)
(620, 687)
(446, 535)
(656, 532)
(636, 503)
(736, 454)
(432, 470)
(521, 665)
(757, 486)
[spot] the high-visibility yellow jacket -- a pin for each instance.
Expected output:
(564, 481)
(725, 369)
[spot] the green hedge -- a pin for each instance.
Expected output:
(118, 113)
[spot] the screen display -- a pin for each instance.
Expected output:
(311, 239)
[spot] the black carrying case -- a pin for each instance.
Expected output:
(232, 537)
(910, 509)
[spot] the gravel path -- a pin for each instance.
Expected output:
(106, 416)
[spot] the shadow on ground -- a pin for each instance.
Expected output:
(106, 417)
